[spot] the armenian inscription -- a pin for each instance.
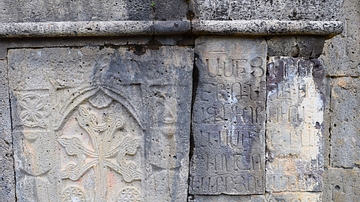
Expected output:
(294, 125)
(229, 117)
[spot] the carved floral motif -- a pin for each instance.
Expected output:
(32, 111)
(100, 155)
(129, 195)
(72, 194)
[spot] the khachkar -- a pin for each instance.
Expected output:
(100, 125)
(112, 123)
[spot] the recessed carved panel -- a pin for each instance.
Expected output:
(101, 124)
(229, 117)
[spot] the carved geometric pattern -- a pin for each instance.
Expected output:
(32, 110)
(112, 157)
(72, 194)
(129, 195)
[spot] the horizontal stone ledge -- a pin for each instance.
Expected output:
(268, 27)
(93, 28)
(137, 28)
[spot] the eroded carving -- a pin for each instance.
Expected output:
(32, 110)
(100, 132)
(129, 195)
(72, 194)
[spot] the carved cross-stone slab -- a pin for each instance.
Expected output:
(101, 124)
(229, 117)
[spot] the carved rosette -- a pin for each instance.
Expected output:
(72, 194)
(129, 195)
(32, 108)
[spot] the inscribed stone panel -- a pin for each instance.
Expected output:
(7, 181)
(268, 197)
(229, 117)
(345, 139)
(101, 124)
(294, 127)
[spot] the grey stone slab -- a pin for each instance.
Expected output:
(138, 28)
(341, 54)
(295, 118)
(169, 9)
(7, 179)
(229, 117)
(93, 10)
(344, 122)
(101, 124)
(296, 46)
(342, 185)
(266, 27)
(273, 9)
(104, 10)
(268, 197)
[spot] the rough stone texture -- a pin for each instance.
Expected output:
(341, 54)
(273, 197)
(7, 183)
(294, 139)
(267, 9)
(93, 10)
(342, 185)
(299, 46)
(345, 139)
(93, 28)
(228, 125)
(266, 27)
(101, 124)
(341, 58)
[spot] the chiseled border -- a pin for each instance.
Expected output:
(132, 28)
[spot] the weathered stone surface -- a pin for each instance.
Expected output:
(7, 183)
(268, 9)
(273, 197)
(266, 27)
(342, 185)
(101, 124)
(299, 46)
(229, 117)
(341, 54)
(94, 10)
(294, 140)
(344, 122)
(136, 28)
(40, 11)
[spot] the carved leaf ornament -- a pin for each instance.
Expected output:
(100, 128)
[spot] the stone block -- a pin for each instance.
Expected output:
(7, 179)
(269, 9)
(42, 11)
(228, 125)
(99, 10)
(344, 126)
(101, 124)
(341, 54)
(300, 46)
(342, 185)
(294, 140)
(268, 197)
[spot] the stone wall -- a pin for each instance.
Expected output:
(341, 57)
(179, 100)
